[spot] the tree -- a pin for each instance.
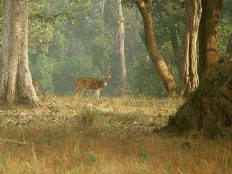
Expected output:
(208, 110)
(120, 42)
(145, 9)
(176, 47)
(103, 7)
(15, 77)
(229, 45)
(169, 17)
(193, 16)
(208, 49)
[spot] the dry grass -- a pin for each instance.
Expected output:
(70, 136)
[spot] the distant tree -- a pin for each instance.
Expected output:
(169, 18)
(229, 45)
(15, 77)
(103, 7)
(120, 43)
(177, 50)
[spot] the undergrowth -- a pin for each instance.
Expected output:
(70, 135)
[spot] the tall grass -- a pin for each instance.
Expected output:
(90, 143)
(69, 150)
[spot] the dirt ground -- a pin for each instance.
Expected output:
(134, 114)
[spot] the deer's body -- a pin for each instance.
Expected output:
(87, 83)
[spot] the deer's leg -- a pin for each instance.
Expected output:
(82, 92)
(79, 92)
(98, 93)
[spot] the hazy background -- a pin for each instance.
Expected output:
(70, 39)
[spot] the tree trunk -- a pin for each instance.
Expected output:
(145, 9)
(15, 76)
(229, 45)
(190, 75)
(208, 50)
(177, 53)
(103, 7)
(120, 40)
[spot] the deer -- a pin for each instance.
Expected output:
(88, 83)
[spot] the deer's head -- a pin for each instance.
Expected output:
(107, 76)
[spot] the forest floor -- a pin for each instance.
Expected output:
(70, 135)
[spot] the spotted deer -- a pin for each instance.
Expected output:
(87, 83)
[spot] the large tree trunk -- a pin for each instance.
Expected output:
(193, 16)
(120, 41)
(15, 76)
(145, 9)
(208, 50)
(209, 111)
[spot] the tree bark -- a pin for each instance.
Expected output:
(229, 45)
(120, 41)
(177, 53)
(208, 49)
(145, 9)
(103, 7)
(193, 17)
(15, 77)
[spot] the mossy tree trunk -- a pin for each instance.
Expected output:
(145, 9)
(15, 77)
(190, 74)
(229, 45)
(208, 49)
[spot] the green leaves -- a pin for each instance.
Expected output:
(143, 154)
(93, 158)
(72, 38)
(44, 69)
